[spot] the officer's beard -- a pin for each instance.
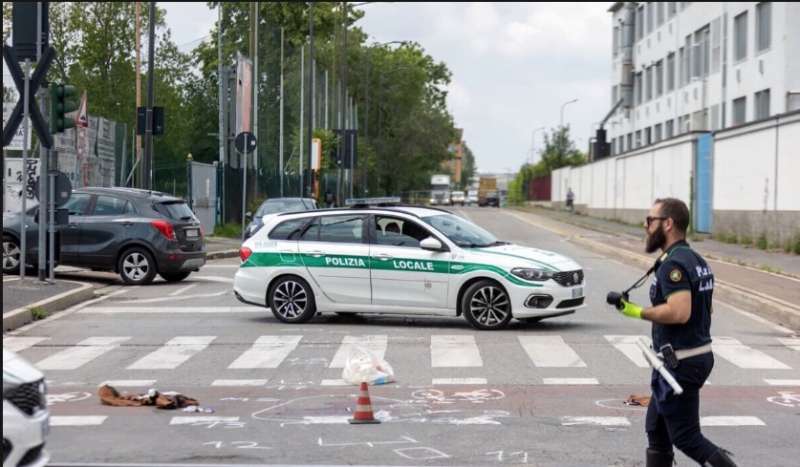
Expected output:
(656, 240)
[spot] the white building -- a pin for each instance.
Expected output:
(700, 66)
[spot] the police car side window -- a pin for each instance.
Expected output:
(288, 230)
(341, 229)
(394, 231)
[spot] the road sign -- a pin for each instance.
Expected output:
(17, 142)
(245, 138)
(39, 124)
(158, 120)
(63, 188)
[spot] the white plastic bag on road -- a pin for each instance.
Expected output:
(364, 366)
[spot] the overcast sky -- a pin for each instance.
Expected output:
(513, 64)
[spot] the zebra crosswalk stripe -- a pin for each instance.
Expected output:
(375, 344)
(173, 354)
(76, 356)
(550, 352)
(454, 351)
(17, 344)
(745, 357)
(791, 342)
(267, 352)
(627, 345)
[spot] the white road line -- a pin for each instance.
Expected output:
(129, 383)
(173, 309)
(456, 381)
(782, 382)
(83, 352)
(193, 420)
(791, 342)
(454, 351)
(73, 309)
(182, 290)
(267, 352)
(173, 354)
(75, 420)
(375, 344)
(743, 356)
(140, 301)
(239, 382)
(595, 421)
(334, 382)
(224, 280)
(17, 344)
(571, 381)
(731, 421)
(627, 345)
(550, 352)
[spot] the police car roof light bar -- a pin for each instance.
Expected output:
(360, 202)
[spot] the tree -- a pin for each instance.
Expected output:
(468, 167)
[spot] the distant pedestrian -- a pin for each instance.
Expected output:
(329, 199)
(570, 200)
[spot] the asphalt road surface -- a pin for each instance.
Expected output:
(547, 394)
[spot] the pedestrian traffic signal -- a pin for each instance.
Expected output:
(63, 100)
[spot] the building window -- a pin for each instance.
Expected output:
(615, 41)
(671, 9)
(763, 26)
(716, 45)
(740, 110)
(686, 65)
(614, 95)
(715, 117)
(657, 133)
(762, 104)
(640, 23)
(671, 72)
(638, 138)
(637, 84)
(647, 136)
(648, 83)
(649, 13)
(740, 37)
(659, 78)
(629, 145)
(669, 129)
(659, 13)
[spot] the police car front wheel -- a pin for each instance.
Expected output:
(486, 305)
(292, 300)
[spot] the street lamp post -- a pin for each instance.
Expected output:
(562, 110)
(533, 141)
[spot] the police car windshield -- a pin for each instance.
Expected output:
(461, 232)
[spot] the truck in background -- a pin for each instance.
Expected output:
(487, 192)
(440, 189)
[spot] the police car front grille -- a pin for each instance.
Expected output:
(27, 397)
(569, 278)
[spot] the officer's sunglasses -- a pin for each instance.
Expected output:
(649, 220)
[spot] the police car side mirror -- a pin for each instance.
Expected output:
(431, 244)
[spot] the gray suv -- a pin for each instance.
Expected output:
(136, 233)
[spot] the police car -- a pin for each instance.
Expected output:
(409, 260)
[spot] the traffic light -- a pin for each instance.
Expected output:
(63, 100)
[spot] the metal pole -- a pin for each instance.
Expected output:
(221, 122)
(302, 101)
(255, 96)
(244, 183)
(280, 124)
(52, 225)
(43, 161)
(148, 174)
(562, 110)
(24, 215)
(310, 129)
(326, 100)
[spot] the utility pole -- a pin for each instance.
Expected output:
(148, 132)
(221, 129)
(255, 99)
(44, 158)
(302, 108)
(310, 129)
(138, 148)
(280, 123)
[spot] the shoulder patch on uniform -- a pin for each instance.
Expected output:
(675, 275)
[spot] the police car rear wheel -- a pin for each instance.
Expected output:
(486, 306)
(292, 300)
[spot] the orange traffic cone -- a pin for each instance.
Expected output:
(363, 412)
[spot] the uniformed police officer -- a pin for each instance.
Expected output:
(681, 295)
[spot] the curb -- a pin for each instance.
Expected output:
(222, 254)
(759, 305)
(21, 316)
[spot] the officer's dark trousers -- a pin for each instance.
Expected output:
(676, 419)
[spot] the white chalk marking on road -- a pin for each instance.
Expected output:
(83, 352)
(112, 310)
(193, 420)
(375, 344)
(182, 290)
(627, 345)
(334, 382)
(17, 344)
(595, 421)
(731, 421)
(239, 382)
(457, 381)
(267, 352)
(571, 381)
(782, 382)
(129, 383)
(743, 356)
(550, 352)
(454, 351)
(791, 342)
(75, 420)
(324, 420)
(173, 354)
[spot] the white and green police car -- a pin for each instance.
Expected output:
(401, 260)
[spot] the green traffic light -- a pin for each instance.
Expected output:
(63, 100)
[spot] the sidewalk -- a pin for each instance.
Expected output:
(766, 283)
(28, 300)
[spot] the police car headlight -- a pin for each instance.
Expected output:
(531, 274)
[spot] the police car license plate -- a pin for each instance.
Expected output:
(577, 292)
(192, 233)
